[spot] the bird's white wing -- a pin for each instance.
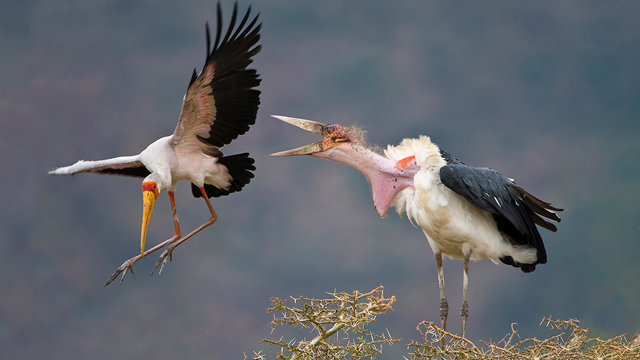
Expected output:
(123, 165)
(221, 102)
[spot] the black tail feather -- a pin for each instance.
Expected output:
(526, 268)
(240, 168)
(539, 209)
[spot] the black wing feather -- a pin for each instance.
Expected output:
(132, 171)
(232, 86)
(218, 28)
(194, 76)
(516, 212)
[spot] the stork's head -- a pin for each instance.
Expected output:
(335, 136)
(150, 192)
(346, 145)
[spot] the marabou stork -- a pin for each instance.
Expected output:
(220, 104)
(465, 212)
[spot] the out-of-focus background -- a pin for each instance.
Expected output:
(545, 92)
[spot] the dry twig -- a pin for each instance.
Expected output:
(347, 315)
(344, 312)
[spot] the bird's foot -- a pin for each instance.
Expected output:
(177, 240)
(166, 255)
(124, 268)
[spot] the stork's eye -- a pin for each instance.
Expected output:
(340, 139)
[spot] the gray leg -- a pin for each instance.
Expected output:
(444, 306)
(464, 311)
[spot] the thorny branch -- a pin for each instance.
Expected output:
(347, 315)
(343, 311)
(576, 346)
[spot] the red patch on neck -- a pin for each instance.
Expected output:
(150, 186)
(403, 163)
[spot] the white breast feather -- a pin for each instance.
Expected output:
(451, 223)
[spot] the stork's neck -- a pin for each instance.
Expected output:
(386, 181)
(158, 157)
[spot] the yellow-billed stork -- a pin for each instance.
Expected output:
(465, 212)
(221, 103)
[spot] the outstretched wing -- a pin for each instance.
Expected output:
(221, 102)
(516, 211)
(123, 165)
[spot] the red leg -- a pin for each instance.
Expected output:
(176, 224)
(169, 250)
(128, 265)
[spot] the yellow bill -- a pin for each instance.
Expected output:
(149, 194)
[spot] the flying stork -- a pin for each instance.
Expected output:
(221, 103)
(466, 212)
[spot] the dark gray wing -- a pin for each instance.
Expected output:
(516, 211)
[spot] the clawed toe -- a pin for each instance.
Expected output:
(124, 268)
(171, 244)
(166, 255)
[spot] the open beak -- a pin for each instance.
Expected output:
(149, 194)
(315, 127)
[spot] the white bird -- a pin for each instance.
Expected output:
(220, 104)
(465, 212)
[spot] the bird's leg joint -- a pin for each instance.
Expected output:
(444, 309)
(464, 311)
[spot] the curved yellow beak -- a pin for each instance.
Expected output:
(149, 194)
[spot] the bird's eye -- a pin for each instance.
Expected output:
(340, 139)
